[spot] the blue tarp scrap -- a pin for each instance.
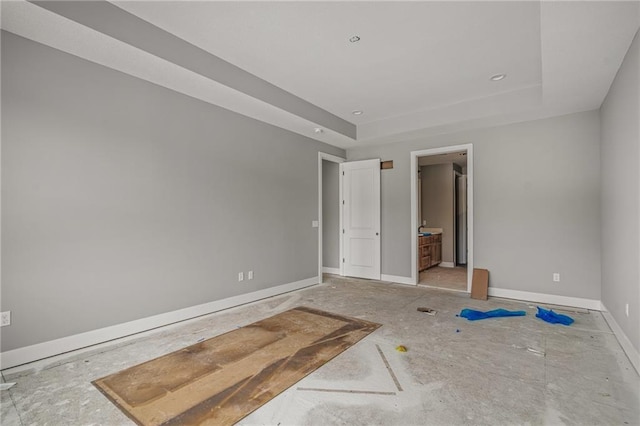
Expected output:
(554, 318)
(473, 315)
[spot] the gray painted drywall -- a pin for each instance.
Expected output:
(536, 203)
(122, 199)
(109, 19)
(437, 203)
(330, 214)
(620, 116)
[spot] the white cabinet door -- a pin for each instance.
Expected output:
(361, 218)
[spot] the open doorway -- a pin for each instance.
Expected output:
(442, 217)
(348, 217)
(329, 249)
(442, 214)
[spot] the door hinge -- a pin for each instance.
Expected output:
(343, 231)
(343, 260)
(342, 173)
(343, 202)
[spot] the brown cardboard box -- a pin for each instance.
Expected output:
(480, 284)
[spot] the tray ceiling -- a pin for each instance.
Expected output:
(418, 67)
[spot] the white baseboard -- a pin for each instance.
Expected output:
(447, 264)
(397, 279)
(627, 346)
(328, 270)
(552, 299)
(39, 351)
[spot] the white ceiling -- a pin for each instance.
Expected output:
(412, 56)
(419, 68)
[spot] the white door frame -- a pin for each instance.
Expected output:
(414, 206)
(455, 216)
(333, 159)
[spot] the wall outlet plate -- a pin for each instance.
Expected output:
(556, 277)
(250, 275)
(240, 276)
(5, 318)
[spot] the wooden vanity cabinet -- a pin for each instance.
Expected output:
(423, 253)
(429, 251)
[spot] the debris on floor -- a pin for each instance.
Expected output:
(473, 315)
(561, 308)
(427, 311)
(6, 386)
(480, 284)
(530, 349)
(535, 351)
(401, 348)
(554, 318)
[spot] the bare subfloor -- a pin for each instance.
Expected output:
(517, 370)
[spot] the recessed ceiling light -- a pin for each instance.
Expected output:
(356, 112)
(318, 130)
(498, 77)
(354, 39)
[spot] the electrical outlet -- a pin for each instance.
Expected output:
(315, 223)
(556, 277)
(626, 309)
(5, 318)
(240, 276)
(250, 275)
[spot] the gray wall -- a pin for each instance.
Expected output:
(536, 201)
(437, 203)
(620, 115)
(122, 199)
(330, 214)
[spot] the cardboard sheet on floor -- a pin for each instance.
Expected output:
(480, 284)
(223, 379)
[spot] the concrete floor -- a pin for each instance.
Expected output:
(517, 370)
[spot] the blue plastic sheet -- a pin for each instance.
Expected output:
(473, 315)
(549, 316)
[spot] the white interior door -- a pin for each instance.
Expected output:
(360, 181)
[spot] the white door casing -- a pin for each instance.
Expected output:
(321, 220)
(360, 182)
(468, 148)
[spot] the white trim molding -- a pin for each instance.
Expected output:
(51, 348)
(552, 299)
(447, 264)
(397, 279)
(628, 348)
(328, 270)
